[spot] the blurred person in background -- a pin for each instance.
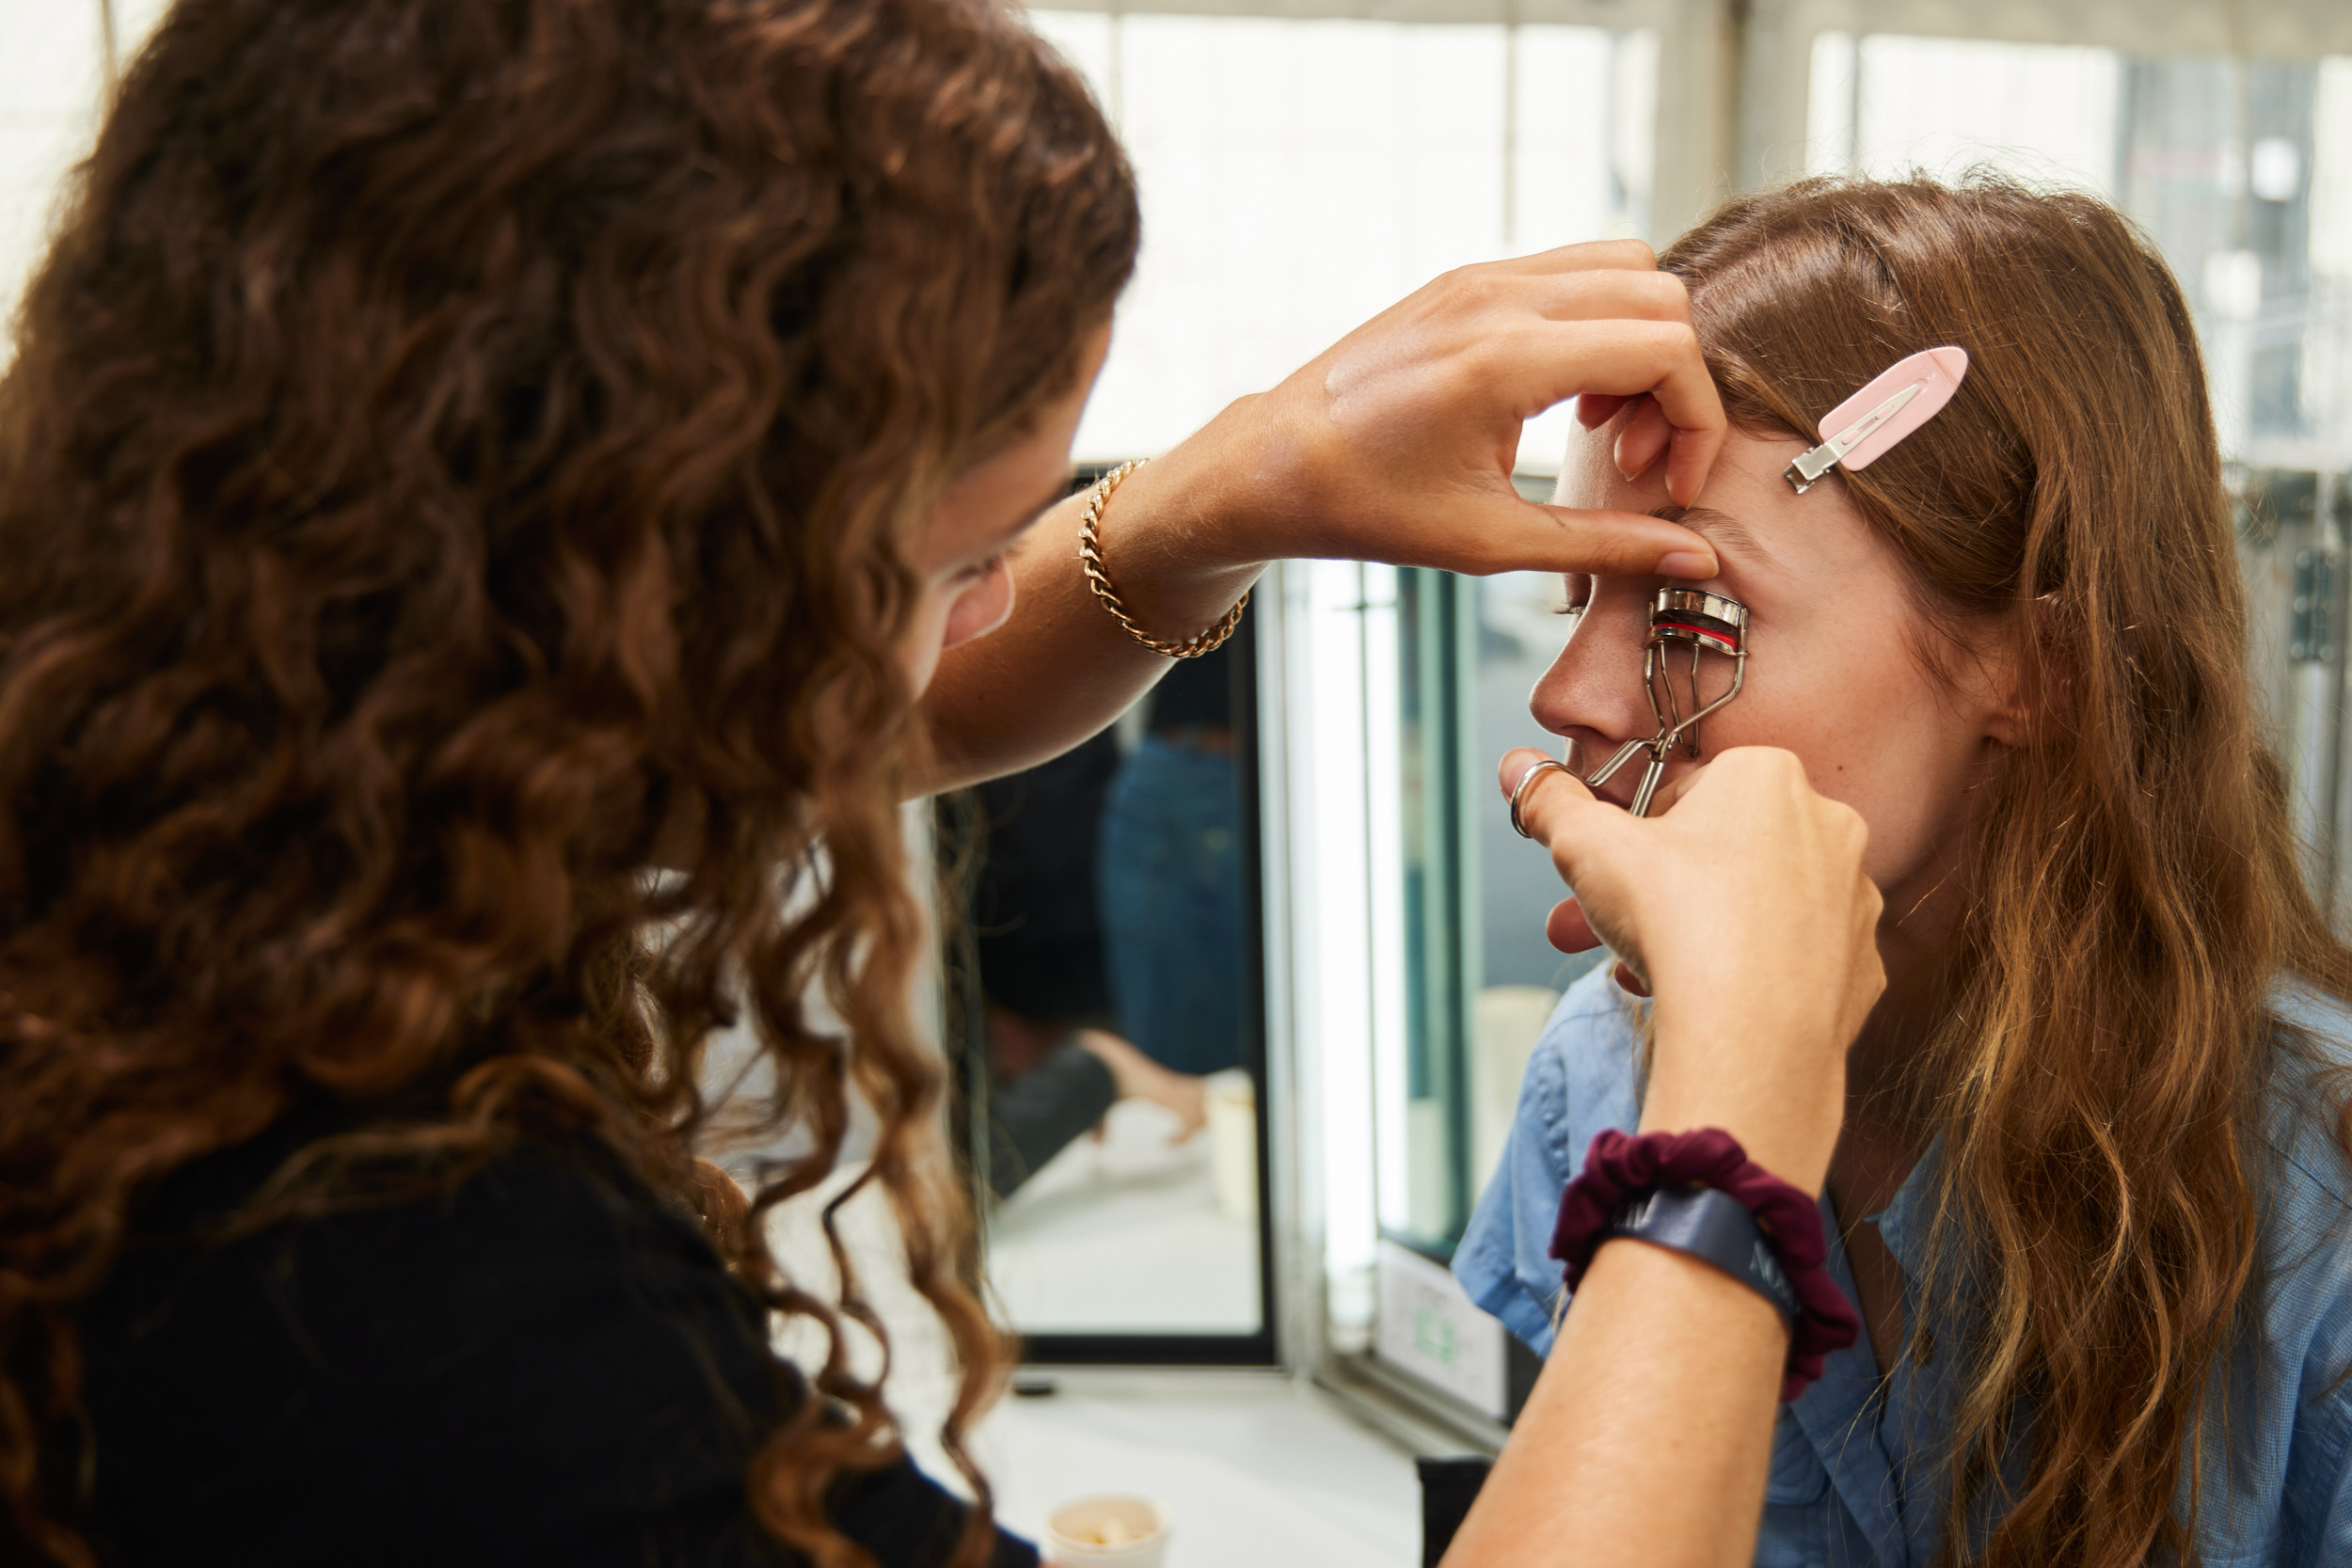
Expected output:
(1171, 874)
(1055, 1061)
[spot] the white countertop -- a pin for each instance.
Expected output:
(1256, 1469)
(1123, 1234)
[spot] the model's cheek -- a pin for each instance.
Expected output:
(1893, 762)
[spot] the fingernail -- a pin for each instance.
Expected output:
(1685, 563)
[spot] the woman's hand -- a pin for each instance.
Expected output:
(1397, 443)
(1394, 445)
(1136, 1076)
(1745, 907)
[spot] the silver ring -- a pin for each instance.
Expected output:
(1518, 791)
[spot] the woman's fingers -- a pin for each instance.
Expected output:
(1540, 363)
(1533, 806)
(1503, 533)
(1397, 444)
(1747, 909)
(1590, 256)
(1644, 439)
(1662, 799)
(1560, 813)
(1595, 409)
(1636, 296)
(1567, 929)
(1750, 880)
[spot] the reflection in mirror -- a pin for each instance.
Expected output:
(1105, 1000)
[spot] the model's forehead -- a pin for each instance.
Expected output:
(1760, 527)
(1756, 522)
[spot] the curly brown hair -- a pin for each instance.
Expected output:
(461, 454)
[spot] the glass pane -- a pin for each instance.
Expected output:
(1480, 978)
(1521, 974)
(2230, 204)
(2241, 170)
(1110, 1024)
(1429, 818)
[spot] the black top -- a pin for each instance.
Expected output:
(545, 1365)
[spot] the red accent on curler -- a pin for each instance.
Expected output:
(1728, 644)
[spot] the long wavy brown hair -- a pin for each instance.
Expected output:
(459, 455)
(2099, 1087)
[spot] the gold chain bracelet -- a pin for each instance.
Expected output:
(1099, 578)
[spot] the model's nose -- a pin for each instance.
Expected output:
(1594, 685)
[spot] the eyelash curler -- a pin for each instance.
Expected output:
(1680, 618)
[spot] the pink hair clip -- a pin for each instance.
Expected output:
(1889, 408)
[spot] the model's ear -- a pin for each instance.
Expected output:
(2030, 681)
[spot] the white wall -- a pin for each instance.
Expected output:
(53, 72)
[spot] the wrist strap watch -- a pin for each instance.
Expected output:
(1713, 1227)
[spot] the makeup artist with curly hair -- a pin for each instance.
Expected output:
(459, 457)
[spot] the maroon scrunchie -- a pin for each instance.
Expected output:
(1617, 1168)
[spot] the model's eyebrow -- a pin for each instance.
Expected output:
(1721, 528)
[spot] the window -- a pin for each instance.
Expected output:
(2240, 171)
(1298, 177)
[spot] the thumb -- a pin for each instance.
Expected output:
(1553, 802)
(1586, 835)
(1509, 535)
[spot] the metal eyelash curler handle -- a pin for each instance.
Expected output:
(1704, 623)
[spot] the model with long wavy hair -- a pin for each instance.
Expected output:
(2105, 1078)
(2093, 1173)
(485, 484)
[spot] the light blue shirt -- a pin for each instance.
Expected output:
(1857, 1469)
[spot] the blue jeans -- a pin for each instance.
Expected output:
(1169, 874)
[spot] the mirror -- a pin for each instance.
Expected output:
(1105, 989)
